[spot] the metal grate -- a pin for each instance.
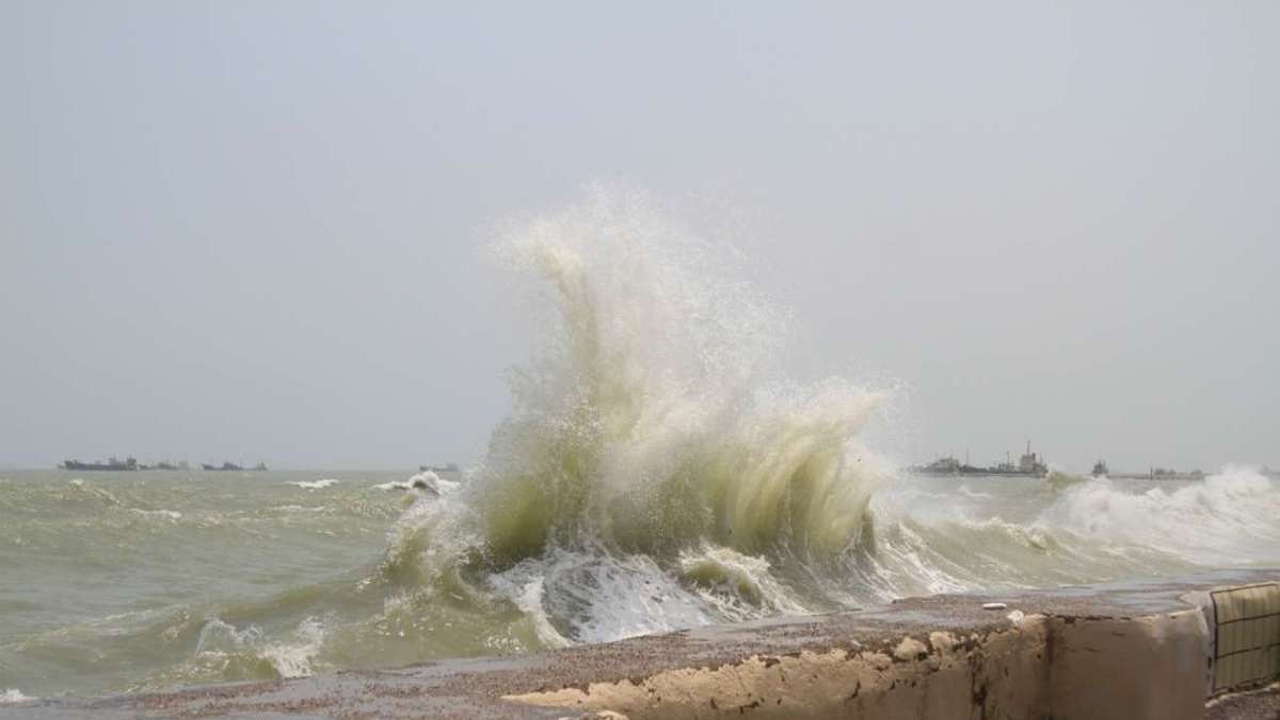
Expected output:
(1246, 635)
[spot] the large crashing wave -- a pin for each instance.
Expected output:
(655, 471)
(650, 423)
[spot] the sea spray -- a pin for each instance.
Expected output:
(654, 419)
(1230, 517)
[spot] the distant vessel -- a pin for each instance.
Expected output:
(170, 466)
(113, 465)
(1029, 465)
(1099, 468)
(226, 466)
(448, 467)
(232, 467)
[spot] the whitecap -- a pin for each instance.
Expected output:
(167, 514)
(313, 484)
(427, 481)
(293, 659)
(14, 695)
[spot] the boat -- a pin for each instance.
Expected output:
(1029, 465)
(226, 467)
(112, 465)
(448, 467)
(1099, 468)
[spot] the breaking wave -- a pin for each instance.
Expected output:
(14, 695)
(657, 472)
(1229, 518)
(654, 467)
(315, 484)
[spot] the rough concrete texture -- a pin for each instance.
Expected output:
(1256, 705)
(1124, 651)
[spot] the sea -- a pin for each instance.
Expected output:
(659, 469)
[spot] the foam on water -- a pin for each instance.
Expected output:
(315, 484)
(246, 653)
(1226, 519)
(426, 480)
(14, 695)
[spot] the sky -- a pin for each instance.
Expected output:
(255, 231)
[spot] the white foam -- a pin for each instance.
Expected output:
(294, 659)
(290, 659)
(427, 478)
(529, 600)
(14, 695)
(166, 514)
(1226, 519)
(739, 586)
(313, 484)
(599, 597)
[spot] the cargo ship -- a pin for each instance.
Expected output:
(232, 467)
(446, 468)
(1029, 465)
(111, 465)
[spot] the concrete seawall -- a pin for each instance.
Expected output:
(1134, 651)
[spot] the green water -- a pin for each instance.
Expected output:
(120, 582)
(115, 582)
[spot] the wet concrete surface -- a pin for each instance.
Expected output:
(1259, 705)
(473, 689)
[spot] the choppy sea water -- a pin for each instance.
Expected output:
(124, 582)
(657, 471)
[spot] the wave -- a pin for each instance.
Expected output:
(426, 481)
(655, 472)
(14, 695)
(314, 484)
(245, 652)
(162, 514)
(650, 422)
(1228, 518)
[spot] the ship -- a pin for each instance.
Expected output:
(226, 467)
(1029, 465)
(232, 467)
(111, 465)
(448, 467)
(1099, 469)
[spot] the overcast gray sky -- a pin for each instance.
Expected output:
(250, 230)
